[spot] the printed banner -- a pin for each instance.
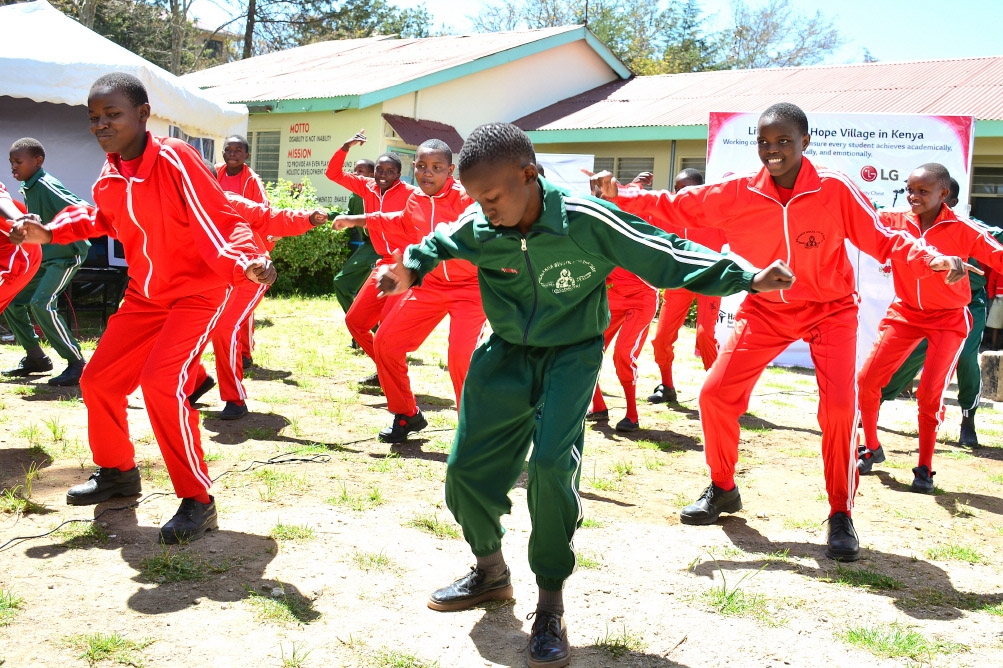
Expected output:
(878, 151)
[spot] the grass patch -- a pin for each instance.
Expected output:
(865, 578)
(114, 647)
(620, 643)
(277, 481)
(804, 525)
(173, 565)
(606, 484)
(374, 561)
(623, 468)
(296, 658)
(964, 509)
(430, 523)
(388, 463)
(959, 455)
(588, 561)
(954, 552)
(292, 532)
(897, 641)
(392, 658)
(592, 523)
(10, 604)
(282, 608)
(358, 502)
(80, 535)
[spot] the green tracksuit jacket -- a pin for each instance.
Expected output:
(531, 382)
(45, 196)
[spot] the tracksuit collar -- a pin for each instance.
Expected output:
(33, 180)
(149, 157)
(553, 217)
(807, 181)
(945, 215)
(447, 188)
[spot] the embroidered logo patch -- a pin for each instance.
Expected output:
(566, 276)
(810, 239)
(509, 270)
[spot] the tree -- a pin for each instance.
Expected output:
(777, 35)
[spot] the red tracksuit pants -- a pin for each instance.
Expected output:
(762, 331)
(899, 333)
(11, 287)
(366, 312)
(408, 324)
(245, 336)
(631, 312)
(226, 342)
(675, 308)
(154, 345)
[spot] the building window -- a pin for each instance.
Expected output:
(987, 181)
(624, 169)
(265, 154)
(204, 145)
(603, 164)
(699, 164)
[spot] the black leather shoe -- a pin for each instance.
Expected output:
(626, 425)
(206, 385)
(471, 589)
(968, 439)
(28, 366)
(843, 542)
(867, 458)
(548, 641)
(597, 416)
(190, 523)
(233, 411)
(402, 426)
(103, 485)
(710, 505)
(70, 375)
(371, 381)
(663, 395)
(922, 481)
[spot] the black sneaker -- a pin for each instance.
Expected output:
(471, 589)
(190, 523)
(663, 395)
(710, 505)
(370, 381)
(233, 411)
(28, 366)
(968, 438)
(597, 416)
(843, 542)
(867, 458)
(206, 385)
(548, 641)
(626, 425)
(103, 485)
(70, 375)
(923, 480)
(246, 363)
(402, 426)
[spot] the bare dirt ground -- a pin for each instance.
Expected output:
(325, 556)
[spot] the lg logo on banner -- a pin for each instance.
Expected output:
(870, 174)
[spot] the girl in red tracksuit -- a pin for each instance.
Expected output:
(267, 224)
(384, 193)
(450, 289)
(186, 247)
(18, 264)
(924, 309)
(791, 211)
(632, 305)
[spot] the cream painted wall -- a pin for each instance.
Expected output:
(988, 152)
(509, 91)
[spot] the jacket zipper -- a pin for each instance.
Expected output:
(532, 277)
(445, 271)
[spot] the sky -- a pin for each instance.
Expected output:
(891, 30)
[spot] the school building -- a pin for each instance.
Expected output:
(572, 96)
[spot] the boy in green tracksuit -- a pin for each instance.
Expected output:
(542, 256)
(45, 196)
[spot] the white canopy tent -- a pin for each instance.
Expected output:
(43, 91)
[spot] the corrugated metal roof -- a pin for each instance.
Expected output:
(414, 131)
(355, 66)
(970, 86)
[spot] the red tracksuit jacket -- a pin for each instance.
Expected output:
(15, 261)
(147, 213)
(951, 235)
(808, 233)
(251, 186)
(420, 216)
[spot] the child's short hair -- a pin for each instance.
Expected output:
(955, 189)
(32, 146)
(690, 174)
(496, 142)
(939, 172)
(368, 164)
(392, 157)
(128, 85)
(239, 139)
(785, 111)
(438, 145)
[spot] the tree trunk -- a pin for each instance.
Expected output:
(88, 12)
(252, 11)
(992, 375)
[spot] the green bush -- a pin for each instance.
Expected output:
(306, 264)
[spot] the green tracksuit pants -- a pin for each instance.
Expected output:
(38, 300)
(514, 397)
(354, 273)
(969, 373)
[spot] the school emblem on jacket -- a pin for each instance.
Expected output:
(566, 276)
(811, 239)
